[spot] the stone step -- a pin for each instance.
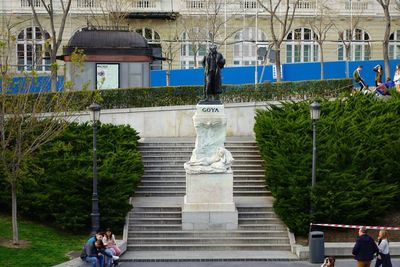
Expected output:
(153, 220)
(257, 214)
(180, 162)
(262, 220)
(188, 153)
(192, 143)
(182, 182)
(240, 247)
(182, 193)
(243, 233)
(182, 175)
(236, 188)
(252, 226)
(175, 167)
(183, 158)
(154, 227)
(208, 240)
(155, 214)
(182, 171)
(156, 209)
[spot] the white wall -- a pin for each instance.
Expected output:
(176, 121)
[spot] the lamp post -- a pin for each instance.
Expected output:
(95, 117)
(315, 109)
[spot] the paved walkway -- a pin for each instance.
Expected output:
(339, 263)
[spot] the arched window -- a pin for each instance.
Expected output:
(30, 50)
(193, 48)
(153, 38)
(394, 45)
(301, 46)
(360, 48)
(245, 48)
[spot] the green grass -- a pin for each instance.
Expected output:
(47, 247)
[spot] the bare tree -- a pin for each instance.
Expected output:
(56, 31)
(385, 6)
(28, 121)
(347, 34)
(205, 24)
(111, 14)
(281, 16)
(320, 25)
(170, 46)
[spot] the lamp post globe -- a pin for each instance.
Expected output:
(95, 215)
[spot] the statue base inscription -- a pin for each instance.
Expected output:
(208, 203)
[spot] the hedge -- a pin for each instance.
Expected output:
(190, 95)
(59, 188)
(357, 172)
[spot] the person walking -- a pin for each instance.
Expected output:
(357, 78)
(378, 74)
(383, 258)
(396, 78)
(364, 249)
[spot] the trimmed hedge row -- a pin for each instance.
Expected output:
(357, 172)
(190, 95)
(59, 187)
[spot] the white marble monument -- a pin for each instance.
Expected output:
(208, 203)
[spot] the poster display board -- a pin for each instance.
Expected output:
(107, 75)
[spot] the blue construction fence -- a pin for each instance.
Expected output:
(290, 72)
(37, 84)
(230, 75)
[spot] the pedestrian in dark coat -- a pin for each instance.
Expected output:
(364, 249)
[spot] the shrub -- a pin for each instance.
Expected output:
(358, 144)
(60, 188)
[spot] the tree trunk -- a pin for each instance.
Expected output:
(54, 70)
(278, 64)
(386, 41)
(321, 54)
(14, 212)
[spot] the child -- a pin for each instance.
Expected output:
(329, 262)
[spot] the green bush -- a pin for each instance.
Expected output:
(357, 172)
(60, 188)
(190, 95)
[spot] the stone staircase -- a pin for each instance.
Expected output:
(155, 224)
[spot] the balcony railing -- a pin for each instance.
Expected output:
(356, 5)
(306, 5)
(144, 4)
(27, 3)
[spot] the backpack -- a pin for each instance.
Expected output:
(83, 254)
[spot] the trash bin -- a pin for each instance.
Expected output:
(316, 245)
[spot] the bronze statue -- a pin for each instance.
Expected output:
(212, 63)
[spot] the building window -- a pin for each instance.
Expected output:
(359, 49)
(301, 46)
(153, 38)
(193, 48)
(245, 48)
(394, 45)
(31, 53)
(151, 35)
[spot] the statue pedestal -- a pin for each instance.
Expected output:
(208, 203)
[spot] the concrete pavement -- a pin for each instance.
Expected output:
(339, 263)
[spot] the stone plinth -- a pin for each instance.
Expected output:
(208, 203)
